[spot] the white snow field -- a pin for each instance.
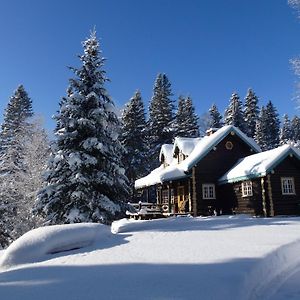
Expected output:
(227, 257)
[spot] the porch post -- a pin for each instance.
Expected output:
(263, 194)
(169, 198)
(270, 196)
(194, 193)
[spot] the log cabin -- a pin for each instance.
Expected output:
(225, 172)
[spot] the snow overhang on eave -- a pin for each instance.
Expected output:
(162, 181)
(242, 178)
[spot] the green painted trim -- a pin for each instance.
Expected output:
(242, 178)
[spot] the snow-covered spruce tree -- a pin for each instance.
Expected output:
(286, 131)
(85, 180)
(295, 125)
(180, 117)
(234, 114)
(251, 111)
(15, 123)
(273, 124)
(13, 129)
(133, 138)
(186, 120)
(161, 118)
(261, 129)
(215, 117)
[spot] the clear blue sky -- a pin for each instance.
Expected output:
(207, 48)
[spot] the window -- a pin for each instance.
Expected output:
(172, 196)
(208, 191)
(247, 188)
(165, 196)
(287, 186)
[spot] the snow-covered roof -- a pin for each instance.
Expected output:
(206, 144)
(186, 145)
(201, 149)
(159, 175)
(258, 165)
(166, 151)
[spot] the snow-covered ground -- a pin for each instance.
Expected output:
(234, 257)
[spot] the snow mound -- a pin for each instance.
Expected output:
(263, 281)
(39, 243)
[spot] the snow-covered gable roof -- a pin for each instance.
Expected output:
(185, 145)
(258, 165)
(207, 143)
(201, 149)
(166, 151)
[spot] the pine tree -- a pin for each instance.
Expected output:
(234, 114)
(16, 118)
(180, 117)
(133, 138)
(261, 130)
(186, 121)
(250, 112)
(295, 125)
(215, 117)
(161, 118)
(14, 129)
(85, 181)
(286, 131)
(273, 124)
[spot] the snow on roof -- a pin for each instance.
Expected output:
(159, 175)
(186, 145)
(206, 144)
(259, 164)
(202, 147)
(166, 151)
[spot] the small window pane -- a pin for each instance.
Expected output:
(208, 191)
(247, 189)
(287, 186)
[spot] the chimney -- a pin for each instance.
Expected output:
(210, 131)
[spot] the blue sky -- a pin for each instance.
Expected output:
(208, 49)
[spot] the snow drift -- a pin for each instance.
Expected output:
(39, 243)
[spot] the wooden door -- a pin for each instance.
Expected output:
(180, 199)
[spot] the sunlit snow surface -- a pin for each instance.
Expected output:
(235, 257)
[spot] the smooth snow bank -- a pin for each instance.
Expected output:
(266, 277)
(36, 244)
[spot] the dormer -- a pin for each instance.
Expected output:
(183, 146)
(165, 155)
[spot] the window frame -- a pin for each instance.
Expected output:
(247, 188)
(207, 195)
(165, 196)
(288, 189)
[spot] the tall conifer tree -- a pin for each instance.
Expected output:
(234, 113)
(161, 118)
(133, 138)
(295, 124)
(261, 130)
(186, 121)
(85, 180)
(215, 117)
(286, 131)
(16, 122)
(273, 124)
(251, 112)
